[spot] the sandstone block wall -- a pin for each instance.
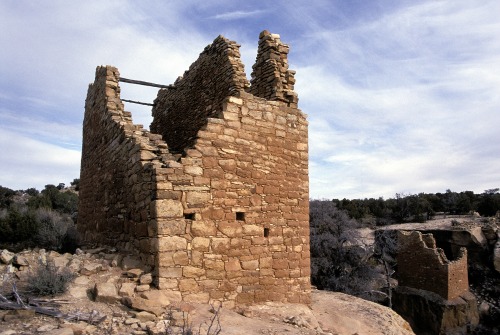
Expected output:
(181, 111)
(271, 78)
(117, 171)
(423, 266)
(224, 215)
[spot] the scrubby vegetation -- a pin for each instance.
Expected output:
(48, 280)
(340, 261)
(45, 219)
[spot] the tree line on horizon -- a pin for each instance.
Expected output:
(420, 207)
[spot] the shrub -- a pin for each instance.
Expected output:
(55, 231)
(48, 280)
(339, 259)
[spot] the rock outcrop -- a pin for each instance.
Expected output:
(429, 313)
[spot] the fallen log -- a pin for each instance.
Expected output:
(94, 317)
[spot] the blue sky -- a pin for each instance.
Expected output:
(401, 96)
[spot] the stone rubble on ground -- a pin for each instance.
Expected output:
(132, 306)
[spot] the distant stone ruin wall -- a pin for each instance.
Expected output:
(226, 220)
(182, 110)
(423, 266)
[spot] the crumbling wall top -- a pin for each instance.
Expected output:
(179, 112)
(271, 78)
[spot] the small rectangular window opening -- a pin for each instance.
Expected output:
(240, 216)
(266, 232)
(189, 216)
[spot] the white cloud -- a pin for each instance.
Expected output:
(234, 15)
(404, 102)
(400, 97)
(29, 163)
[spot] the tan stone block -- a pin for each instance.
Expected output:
(171, 226)
(228, 164)
(210, 162)
(207, 151)
(257, 250)
(255, 199)
(193, 170)
(203, 228)
(240, 243)
(196, 258)
(220, 245)
(206, 135)
(170, 272)
(235, 100)
(208, 284)
(193, 153)
(215, 274)
(172, 243)
(214, 264)
(200, 297)
(271, 190)
(146, 155)
(234, 124)
(254, 230)
(266, 272)
(181, 258)
(259, 240)
(214, 173)
(233, 264)
(166, 208)
(164, 185)
(166, 258)
(200, 244)
(188, 285)
(230, 116)
(167, 194)
(250, 265)
(192, 272)
(216, 213)
(245, 298)
(226, 138)
(276, 240)
(216, 295)
(127, 289)
(231, 228)
(198, 180)
(214, 126)
(196, 199)
(280, 264)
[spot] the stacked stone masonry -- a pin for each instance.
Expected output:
(271, 78)
(422, 265)
(215, 198)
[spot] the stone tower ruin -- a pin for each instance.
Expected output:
(215, 197)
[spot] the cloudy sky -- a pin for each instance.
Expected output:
(402, 96)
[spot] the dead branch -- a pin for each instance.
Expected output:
(40, 307)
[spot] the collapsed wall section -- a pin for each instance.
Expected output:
(423, 266)
(180, 111)
(117, 177)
